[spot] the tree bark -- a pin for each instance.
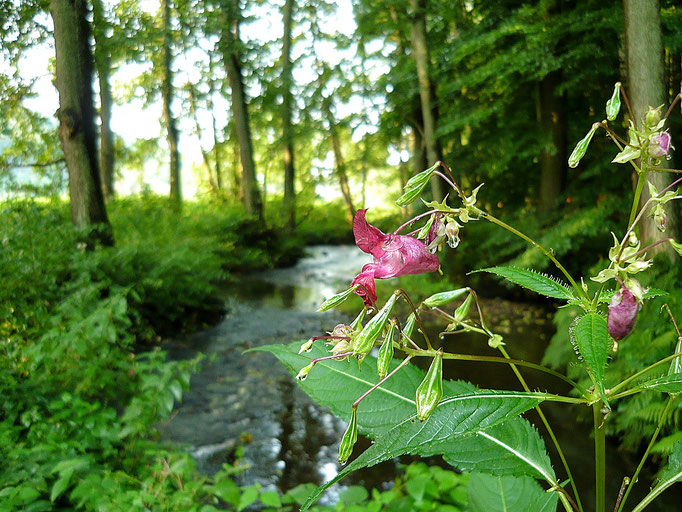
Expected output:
(167, 96)
(103, 67)
(646, 88)
(552, 119)
(229, 42)
(287, 114)
(339, 164)
(197, 130)
(76, 114)
(427, 94)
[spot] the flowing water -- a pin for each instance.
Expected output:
(249, 400)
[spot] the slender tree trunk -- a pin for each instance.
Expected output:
(216, 143)
(197, 130)
(287, 114)
(420, 54)
(552, 121)
(74, 69)
(340, 165)
(249, 185)
(103, 67)
(167, 94)
(646, 88)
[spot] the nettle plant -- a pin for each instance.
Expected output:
(404, 410)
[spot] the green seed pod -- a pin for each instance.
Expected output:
(442, 298)
(676, 364)
(430, 391)
(462, 311)
(349, 438)
(357, 323)
(613, 105)
(385, 353)
(337, 299)
(409, 327)
(363, 342)
(581, 147)
(414, 186)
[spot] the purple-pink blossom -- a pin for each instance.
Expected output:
(394, 255)
(623, 310)
(659, 144)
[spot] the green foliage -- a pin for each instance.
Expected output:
(489, 493)
(533, 281)
(79, 402)
(593, 342)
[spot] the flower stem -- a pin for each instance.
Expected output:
(494, 359)
(646, 453)
(545, 422)
(617, 387)
(395, 370)
(405, 296)
(641, 179)
(599, 457)
(532, 242)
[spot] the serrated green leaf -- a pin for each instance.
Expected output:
(512, 448)
(532, 281)
(671, 474)
(594, 344)
(668, 384)
(454, 417)
(489, 493)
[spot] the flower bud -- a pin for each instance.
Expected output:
(660, 218)
(623, 310)
(581, 148)
(306, 347)
(364, 342)
(430, 391)
(462, 311)
(385, 353)
(349, 438)
(613, 105)
(452, 233)
(303, 374)
(659, 144)
(337, 299)
(439, 299)
(653, 116)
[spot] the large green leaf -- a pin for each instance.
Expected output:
(671, 474)
(668, 384)
(513, 448)
(592, 339)
(533, 281)
(489, 493)
(455, 417)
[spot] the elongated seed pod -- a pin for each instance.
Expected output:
(349, 438)
(385, 353)
(430, 391)
(363, 342)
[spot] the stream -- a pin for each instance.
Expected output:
(250, 400)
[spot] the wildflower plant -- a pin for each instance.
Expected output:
(405, 410)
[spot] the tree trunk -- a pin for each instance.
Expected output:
(287, 113)
(646, 88)
(74, 68)
(228, 47)
(553, 156)
(339, 162)
(167, 95)
(197, 130)
(427, 95)
(103, 67)
(216, 143)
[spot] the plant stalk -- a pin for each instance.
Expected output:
(599, 457)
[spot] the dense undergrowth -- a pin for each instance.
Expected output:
(84, 380)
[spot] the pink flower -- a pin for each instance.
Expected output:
(623, 310)
(659, 144)
(394, 255)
